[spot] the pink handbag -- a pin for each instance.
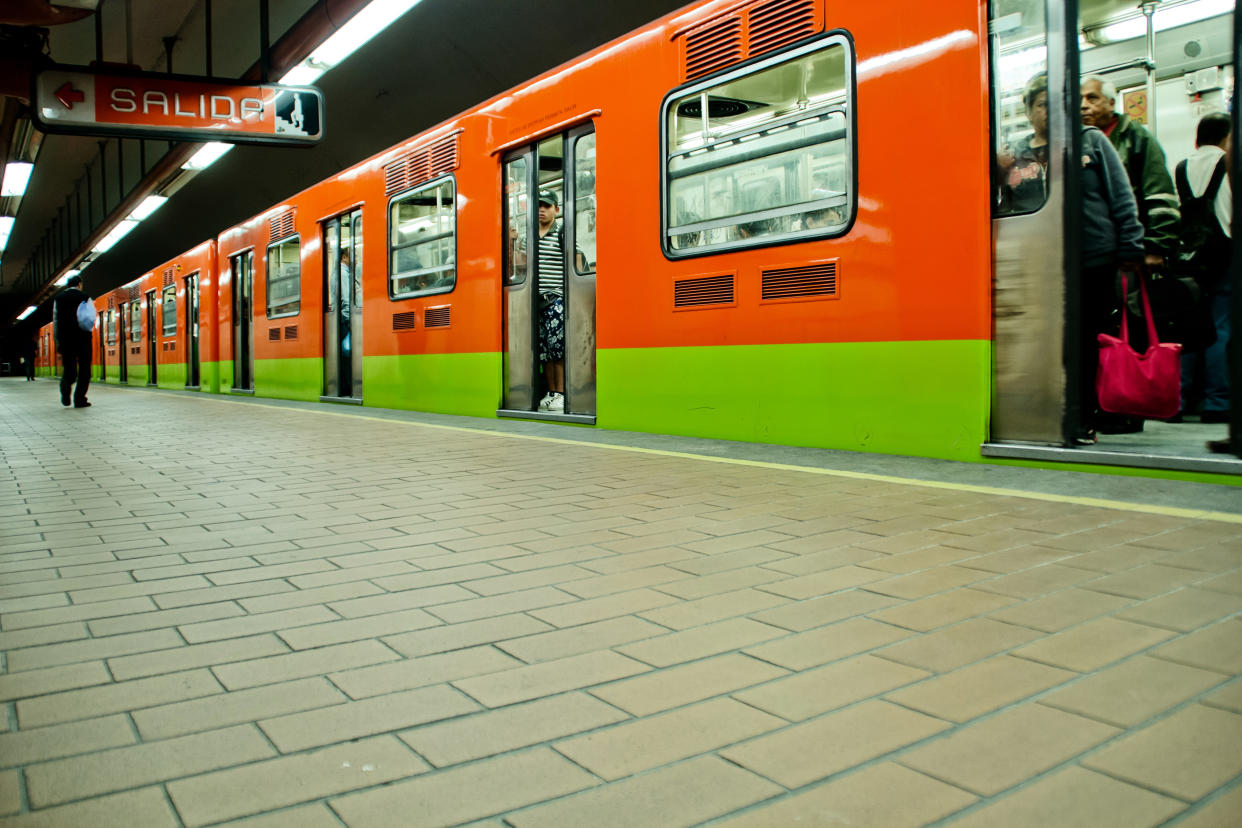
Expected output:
(1134, 385)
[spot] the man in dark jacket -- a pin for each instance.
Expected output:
(73, 343)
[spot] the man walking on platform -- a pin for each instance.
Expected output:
(73, 343)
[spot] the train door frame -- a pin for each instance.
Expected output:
(1034, 370)
(242, 323)
(153, 357)
(103, 348)
(1235, 274)
(520, 303)
(193, 355)
(122, 343)
(342, 353)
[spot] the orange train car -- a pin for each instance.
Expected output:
(777, 220)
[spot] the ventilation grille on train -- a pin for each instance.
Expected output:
(815, 281)
(111, 303)
(703, 291)
(421, 165)
(291, 333)
(404, 321)
(436, 317)
(273, 334)
(168, 277)
(134, 293)
(281, 226)
(754, 29)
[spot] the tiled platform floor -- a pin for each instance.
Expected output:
(217, 611)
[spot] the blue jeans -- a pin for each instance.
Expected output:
(1213, 361)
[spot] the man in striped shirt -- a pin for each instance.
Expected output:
(551, 285)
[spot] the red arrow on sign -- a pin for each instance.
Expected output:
(68, 96)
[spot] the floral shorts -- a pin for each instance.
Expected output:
(552, 331)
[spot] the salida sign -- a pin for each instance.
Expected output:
(77, 100)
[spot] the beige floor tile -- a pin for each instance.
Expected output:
(624, 581)
(304, 663)
(825, 644)
(939, 610)
(676, 686)
(1040, 580)
(972, 691)
(1216, 648)
(714, 608)
(1230, 582)
(625, 749)
(928, 582)
(1188, 754)
(369, 717)
(1060, 610)
(457, 636)
(1222, 812)
(195, 655)
(1092, 645)
(147, 807)
(117, 697)
(305, 816)
(608, 606)
(508, 729)
(1145, 581)
(600, 635)
(1074, 798)
(1184, 610)
(471, 792)
(811, 562)
(38, 744)
(53, 783)
(52, 679)
(863, 798)
(816, 612)
(824, 583)
(356, 629)
(237, 707)
(72, 652)
(1228, 697)
(10, 792)
(1133, 691)
(248, 625)
(830, 744)
(816, 691)
(952, 647)
(997, 753)
(727, 581)
(549, 678)
(681, 795)
(708, 640)
(291, 780)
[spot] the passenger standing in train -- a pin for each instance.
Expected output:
(1026, 166)
(551, 302)
(1144, 163)
(73, 343)
(1207, 215)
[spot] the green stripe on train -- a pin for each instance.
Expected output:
(468, 384)
(914, 398)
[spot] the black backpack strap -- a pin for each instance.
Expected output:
(1218, 176)
(1183, 183)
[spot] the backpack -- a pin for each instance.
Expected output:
(86, 315)
(1205, 249)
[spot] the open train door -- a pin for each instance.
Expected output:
(560, 167)
(1235, 274)
(1035, 240)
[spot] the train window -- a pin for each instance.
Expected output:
(135, 321)
(168, 310)
(761, 155)
(110, 327)
(1019, 106)
(422, 240)
(584, 202)
(284, 277)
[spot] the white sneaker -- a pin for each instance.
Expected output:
(546, 401)
(557, 403)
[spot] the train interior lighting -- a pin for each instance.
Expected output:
(1166, 16)
(16, 177)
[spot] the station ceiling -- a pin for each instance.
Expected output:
(438, 59)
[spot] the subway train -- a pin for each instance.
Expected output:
(779, 224)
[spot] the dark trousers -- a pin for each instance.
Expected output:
(77, 368)
(1099, 306)
(29, 362)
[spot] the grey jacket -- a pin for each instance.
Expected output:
(1110, 219)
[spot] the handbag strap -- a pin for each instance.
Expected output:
(1152, 339)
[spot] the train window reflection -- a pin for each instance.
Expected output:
(135, 321)
(284, 277)
(168, 310)
(110, 326)
(1019, 107)
(761, 155)
(423, 240)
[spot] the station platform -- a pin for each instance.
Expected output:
(224, 610)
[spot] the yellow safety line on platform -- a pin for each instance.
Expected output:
(1120, 505)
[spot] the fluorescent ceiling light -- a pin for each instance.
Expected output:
(360, 28)
(1166, 17)
(148, 206)
(69, 274)
(208, 155)
(6, 227)
(114, 235)
(16, 177)
(27, 312)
